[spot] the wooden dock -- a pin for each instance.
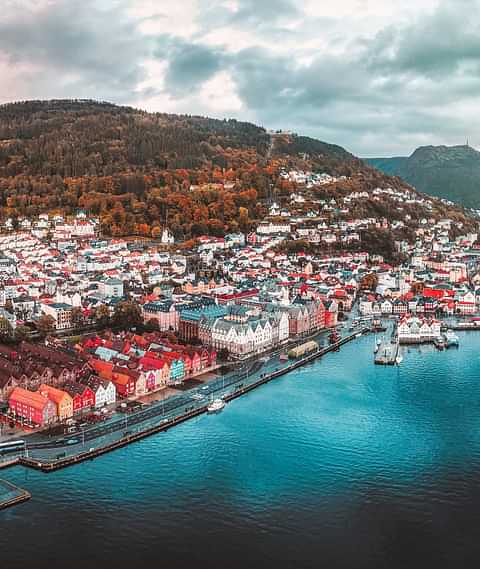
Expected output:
(7, 462)
(465, 326)
(11, 495)
(387, 353)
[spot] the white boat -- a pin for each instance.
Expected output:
(398, 360)
(451, 338)
(216, 406)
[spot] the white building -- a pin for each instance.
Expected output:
(61, 313)
(111, 288)
(416, 330)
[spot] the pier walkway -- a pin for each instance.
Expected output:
(387, 353)
(10, 495)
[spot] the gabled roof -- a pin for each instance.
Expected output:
(30, 398)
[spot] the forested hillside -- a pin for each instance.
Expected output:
(139, 171)
(79, 138)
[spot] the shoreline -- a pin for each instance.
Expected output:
(51, 466)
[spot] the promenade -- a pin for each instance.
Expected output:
(51, 454)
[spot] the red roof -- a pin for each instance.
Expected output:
(433, 293)
(30, 398)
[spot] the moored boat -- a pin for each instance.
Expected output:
(451, 339)
(334, 337)
(216, 406)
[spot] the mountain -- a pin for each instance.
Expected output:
(139, 172)
(450, 172)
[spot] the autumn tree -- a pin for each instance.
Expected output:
(152, 325)
(22, 332)
(417, 287)
(102, 315)
(77, 316)
(127, 314)
(6, 329)
(45, 324)
(369, 281)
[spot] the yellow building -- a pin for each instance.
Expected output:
(62, 400)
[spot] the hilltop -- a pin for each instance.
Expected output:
(449, 172)
(140, 171)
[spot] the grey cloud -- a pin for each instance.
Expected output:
(189, 64)
(438, 45)
(380, 95)
(265, 12)
(99, 49)
(251, 14)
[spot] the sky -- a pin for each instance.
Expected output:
(376, 76)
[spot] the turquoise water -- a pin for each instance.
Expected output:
(339, 464)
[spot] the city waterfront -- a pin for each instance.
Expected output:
(338, 464)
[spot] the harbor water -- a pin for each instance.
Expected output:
(340, 464)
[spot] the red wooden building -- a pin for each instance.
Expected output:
(83, 397)
(32, 406)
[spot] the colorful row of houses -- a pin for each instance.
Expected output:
(430, 301)
(138, 364)
(49, 404)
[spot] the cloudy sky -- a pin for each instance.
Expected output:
(376, 76)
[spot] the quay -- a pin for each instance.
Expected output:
(240, 389)
(465, 326)
(11, 495)
(387, 353)
(9, 462)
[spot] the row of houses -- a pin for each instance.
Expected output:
(49, 404)
(417, 330)
(430, 301)
(137, 364)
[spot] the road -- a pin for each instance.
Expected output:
(46, 448)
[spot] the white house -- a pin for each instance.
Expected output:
(416, 330)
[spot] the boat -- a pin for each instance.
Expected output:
(283, 357)
(375, 349)
(216, 406)
(398, 359)
(451, 339)
(334, 337)
(439, 343)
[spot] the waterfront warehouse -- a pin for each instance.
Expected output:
(303, 349)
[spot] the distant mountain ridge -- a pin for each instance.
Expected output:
(450, 172)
